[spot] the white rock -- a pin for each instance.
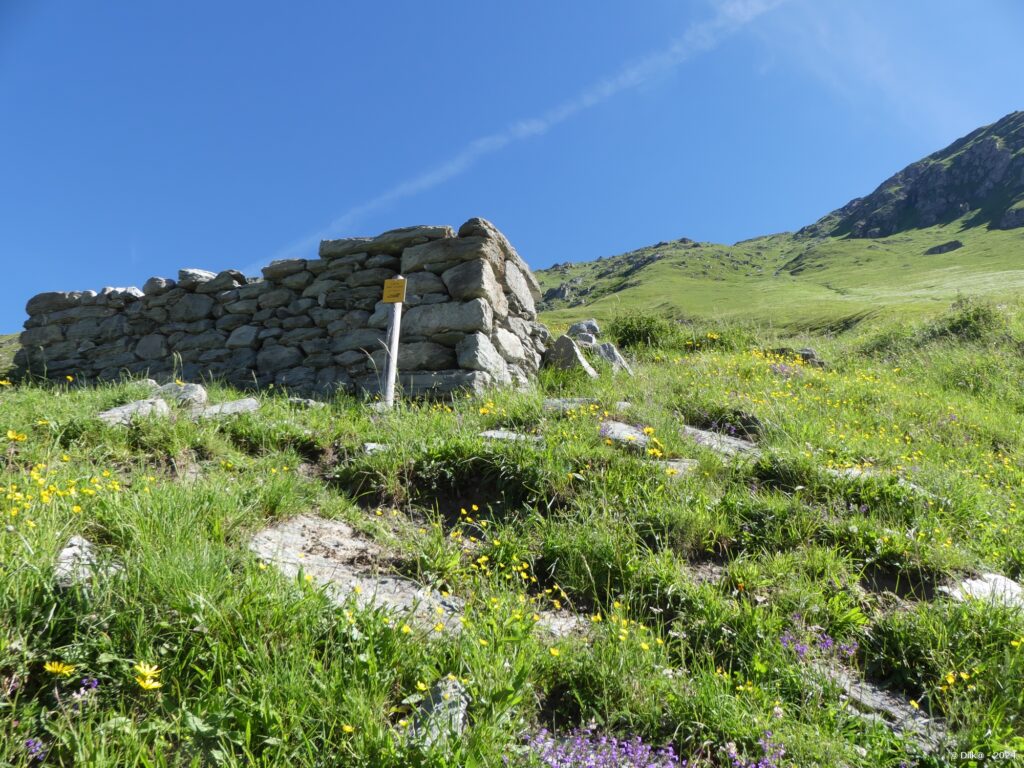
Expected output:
(124, 415)
(728, 446)
(76, 563)
(626, 434)
(231, 408)
(990, 587)
(331, 554)
(507, 435)
(192, 395)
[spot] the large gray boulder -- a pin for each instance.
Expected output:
(566, 355)
(433, 319)
(191, 307)
(476, 280)
(190, 279)
(157, 285)
(394, 241)
(52, 301)
(477, 353)
(273, 359)
(418, 356)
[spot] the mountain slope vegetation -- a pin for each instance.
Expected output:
(950, 224)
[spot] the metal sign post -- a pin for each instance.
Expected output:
(394, 294)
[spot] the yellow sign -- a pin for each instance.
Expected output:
(394, 291)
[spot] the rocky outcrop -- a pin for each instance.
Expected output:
(311, 325)
(980, 174)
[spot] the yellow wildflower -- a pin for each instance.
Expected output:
(59, 668)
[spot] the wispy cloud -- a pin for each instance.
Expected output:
(699, 38)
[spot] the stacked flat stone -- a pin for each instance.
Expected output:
(312, 325)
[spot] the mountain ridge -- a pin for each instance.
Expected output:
(953, 222)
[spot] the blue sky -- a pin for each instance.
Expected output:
(138, 138)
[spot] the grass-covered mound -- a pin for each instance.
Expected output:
(712, 601)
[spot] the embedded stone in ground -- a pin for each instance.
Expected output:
(330, 553)
(507, 435)
(723, 444)
(190, 395)
(677, 468)
(76, 563)
(442, 715)
(560, 624)
(990, 587)
(124, 415)
(565, 404)
(231, 408)
(894, 710)
(625, 434)
(373, 448)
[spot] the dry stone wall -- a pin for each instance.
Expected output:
(312, 325)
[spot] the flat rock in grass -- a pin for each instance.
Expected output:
(330, 553)
(189, 395)
(509, 436)
(723, 444)
(895, 711)
(989, 587)
(441, 715)
(76, 563)
(566, 404)
(125, 415)
(677, 468)
(305, 402)
(560, 624)
(230, 408)
(624, 434)
(371, 449)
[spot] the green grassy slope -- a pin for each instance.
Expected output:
(8, 346)
(697, 593)
(797, 283)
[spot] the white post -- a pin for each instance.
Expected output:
(394, 329)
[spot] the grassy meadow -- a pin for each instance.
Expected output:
(799, 283)
(709, 602)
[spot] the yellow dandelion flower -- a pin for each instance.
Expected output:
(59, 668)
(421, 686)
(406, 629)
(147, 670)
(554, 651)
(148, 683)
(914, 704)
(348, 728)
(484, 642)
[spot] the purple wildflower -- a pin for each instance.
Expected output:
(583, 748)
(771, 754)
(35, 749)
(849, 650)
(825, 642)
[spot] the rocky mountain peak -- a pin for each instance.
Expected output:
(980, 176)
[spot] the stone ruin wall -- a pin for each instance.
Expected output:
(314, 326)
